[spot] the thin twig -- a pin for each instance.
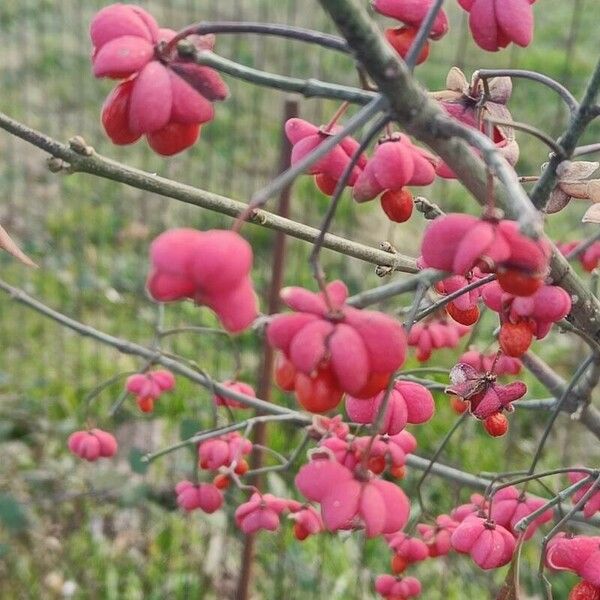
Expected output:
(561, 90)
(454, 295)
(558, 527)
(339, 189)
(577, 125)
(583, 246)
(100, 166)
(587, 149)
(309, 88)
(559, 405)
(427, 277)
(531, 130)
(299, 34)
(218, 432)
(424, 30)
(361, 118)
(436, 455)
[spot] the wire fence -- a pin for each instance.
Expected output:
(90, 237)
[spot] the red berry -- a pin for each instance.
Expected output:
(464, 317)
(397, 205)
(589, 263)
(585, 591)
(173, 138)
(376, 383)
(285, 374)
(496, 425)
(515, 338)
(115, 115)
(318, 393)
(326, 184)
(518, 283)
(242, 467)
(399, 564)
(398, 472)
(221, 481)
(458, 405)
(401, 39)
(377, 464)
(300, 532)
(146, 404)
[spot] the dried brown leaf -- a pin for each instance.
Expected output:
(500, 89)
(594, 190)
(576, 170)
(575, 189)
(7, 243)
(557, 201)
(510, 589)
(456, 80)
(592, 215)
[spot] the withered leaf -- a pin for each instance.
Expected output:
(7, 243)
(592, 215)
(510, 588)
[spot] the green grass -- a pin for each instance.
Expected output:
(111, 530)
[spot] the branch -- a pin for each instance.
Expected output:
(361, 118)
(423, 118)
(425, 277)
(276, 412)
(309, 88)
(128, 347)
(553, 382)
(299, 34)
(568, 141)
(561, 90)
(472, 481)
(100, 166)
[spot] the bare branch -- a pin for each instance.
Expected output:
(299, 34)
(361, 118)
(561, 90)
(568, 141)
(309, 88)
(423, 33)
(100, 166)
(422, 117)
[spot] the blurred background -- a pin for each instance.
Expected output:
(109, 530)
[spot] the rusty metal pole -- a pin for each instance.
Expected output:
(266, 368)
